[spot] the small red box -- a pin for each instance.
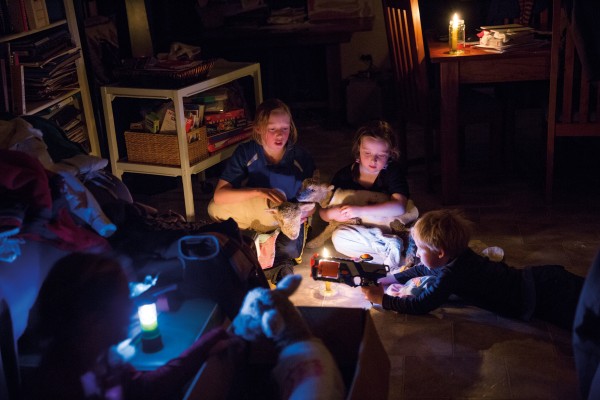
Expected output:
(225, 121)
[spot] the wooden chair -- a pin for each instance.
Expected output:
(574, 101)
(408, 59)
(417, 102)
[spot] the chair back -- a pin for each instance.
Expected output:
(408, 58)
(407, 55)
(574, 101)
(9, 367)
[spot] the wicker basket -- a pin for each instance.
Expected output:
(163, 149)
(132, 75)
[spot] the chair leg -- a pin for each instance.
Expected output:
(402, 133)
(550, 164)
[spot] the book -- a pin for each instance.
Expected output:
(506, 28)
(39, 48)
(225, 121)
(4, 98)
(17, 85)
(220, 145)
(37, 14)
(18, 15)
(196, 111)
(5, 26)
(219, 137)
(54, 59)
(504, 37)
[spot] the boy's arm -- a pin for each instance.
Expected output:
(408, 274)
(431, 298)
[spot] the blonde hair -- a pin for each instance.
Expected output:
(261, 120)
(447, 230)
(380, 130)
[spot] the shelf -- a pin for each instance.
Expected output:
(223, 72)
(35, 107)
(69, 21)
(15, 36)
(155, 169)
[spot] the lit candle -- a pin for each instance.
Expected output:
(456, 35)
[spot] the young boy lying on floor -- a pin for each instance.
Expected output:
(548, 292)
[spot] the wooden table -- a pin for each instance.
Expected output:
(475, 66)
(240, 43)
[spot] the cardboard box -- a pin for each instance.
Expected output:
(225, 121)
(350, 335)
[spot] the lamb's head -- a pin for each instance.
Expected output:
(271, 314)
(314, 191)
(289, 217)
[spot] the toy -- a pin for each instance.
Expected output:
(259, 215)
(327, 196)
(305, 368)
(357, 272)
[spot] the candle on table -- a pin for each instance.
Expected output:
(456, 35)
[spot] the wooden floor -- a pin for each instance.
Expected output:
(459, 351)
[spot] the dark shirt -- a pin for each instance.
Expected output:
(491, 285)
(390, 180)
(248, 167)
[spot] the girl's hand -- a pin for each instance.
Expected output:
(374, 294)
(276, 196)
(335, 214)
(350, 211)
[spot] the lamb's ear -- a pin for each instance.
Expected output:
(307, 206)
(272, 324)
(289, 284)
(317, 175)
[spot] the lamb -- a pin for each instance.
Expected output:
(258, 215)
(327, 196)
(305, 368)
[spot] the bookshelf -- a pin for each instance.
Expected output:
(76, 93)
(223, 72)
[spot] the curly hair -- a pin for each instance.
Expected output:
(380, 130)
(447, 230)
(261, 119)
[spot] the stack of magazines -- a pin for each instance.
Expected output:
(49, 61)
(503, 38)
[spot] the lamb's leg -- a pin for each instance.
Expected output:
(322, 237)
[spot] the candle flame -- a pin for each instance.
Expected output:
(325, 252)
(455, 20)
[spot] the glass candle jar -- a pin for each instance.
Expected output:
(456, 35)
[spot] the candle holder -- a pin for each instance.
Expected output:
(151, 338)
(456, 35)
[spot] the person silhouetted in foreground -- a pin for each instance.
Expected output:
(83, 309)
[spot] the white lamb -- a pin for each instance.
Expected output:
(326, 196)
(258, 215)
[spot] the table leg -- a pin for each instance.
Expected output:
(334, 78)
(188, 196)
(449, 110)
